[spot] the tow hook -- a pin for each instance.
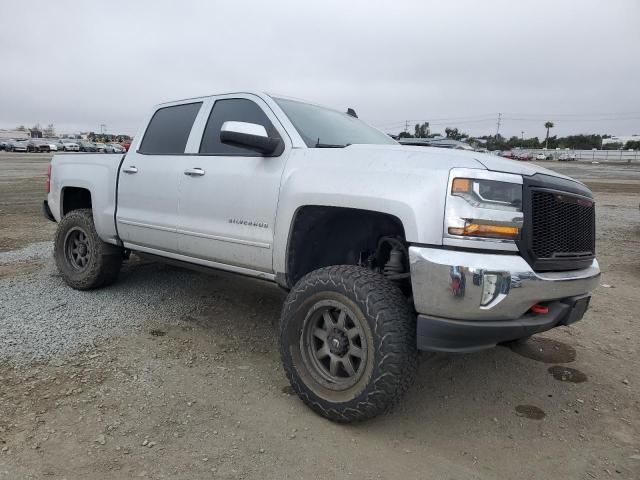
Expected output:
(539, 309)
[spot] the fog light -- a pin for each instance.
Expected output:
(489, 288)
(495, 288)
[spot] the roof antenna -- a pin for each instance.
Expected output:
(352, 112)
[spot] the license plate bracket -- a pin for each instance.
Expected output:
(578, 309)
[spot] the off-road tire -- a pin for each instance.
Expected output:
(104, 260)
(390, 325)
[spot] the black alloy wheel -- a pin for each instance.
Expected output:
(334, 345)
(77, 248)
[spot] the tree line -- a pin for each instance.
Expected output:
(575, 142)
(498, 142)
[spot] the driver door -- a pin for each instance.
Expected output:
(228, 193)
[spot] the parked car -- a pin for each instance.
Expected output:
(541, 156)
(87, 146)
(37, 145)
(100, 147)
(4, 144)
(523, 156)
(567, 157)
(53, 146)
(115, 148)
(17, 146)
(125, 145)
(68, 145)
(434, 250)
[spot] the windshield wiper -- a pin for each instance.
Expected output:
(329, 145)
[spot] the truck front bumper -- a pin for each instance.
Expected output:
(468, 301)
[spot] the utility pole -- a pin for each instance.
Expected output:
(522, 144)
(406, 126)
(498, 124)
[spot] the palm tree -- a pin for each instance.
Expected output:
(547, 125)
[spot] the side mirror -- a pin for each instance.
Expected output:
(250, 135)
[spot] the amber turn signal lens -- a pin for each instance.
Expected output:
(461, 185)
(479, 230)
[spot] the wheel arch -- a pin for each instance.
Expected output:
(324, 235)
(74, 198)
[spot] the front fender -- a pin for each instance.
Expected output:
(417, 202)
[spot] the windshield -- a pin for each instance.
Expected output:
(322, 127)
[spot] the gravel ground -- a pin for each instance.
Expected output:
(34, 251)
(41, 316)
(174, 374)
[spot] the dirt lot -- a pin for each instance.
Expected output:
(191, 387)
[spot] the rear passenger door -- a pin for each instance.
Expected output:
(227, 211)
(149, 178)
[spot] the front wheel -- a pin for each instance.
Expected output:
(348, 343)
(83, 259)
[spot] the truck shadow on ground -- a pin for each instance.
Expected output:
(451, 391)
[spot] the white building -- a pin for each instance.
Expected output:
(621, 139)
(6, 134)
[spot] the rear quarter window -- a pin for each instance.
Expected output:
(169, 129)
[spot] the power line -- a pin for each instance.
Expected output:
(599, 119)
(545, 115)
(464, 122)
(405, 124)
(524, 117)
(443, 119)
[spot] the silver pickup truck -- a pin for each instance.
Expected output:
(384, 249)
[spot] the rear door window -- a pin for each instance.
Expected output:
(169, 129)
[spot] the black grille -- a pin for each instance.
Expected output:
(562, 226)
(559, 224)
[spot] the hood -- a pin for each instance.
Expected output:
(434, 157)
(496, 163)
(409, 158)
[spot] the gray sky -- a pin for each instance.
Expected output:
(78, 64)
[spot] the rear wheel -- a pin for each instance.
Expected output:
(83, 259)
(348, 343)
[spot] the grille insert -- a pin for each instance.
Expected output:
(563, 226)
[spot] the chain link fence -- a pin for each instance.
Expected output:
(624, 156)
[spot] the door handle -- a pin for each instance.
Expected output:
(130, 169)
(194, 172)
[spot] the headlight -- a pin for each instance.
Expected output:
(488, 193)
(484, 206)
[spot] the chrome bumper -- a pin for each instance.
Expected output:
(483, 286)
